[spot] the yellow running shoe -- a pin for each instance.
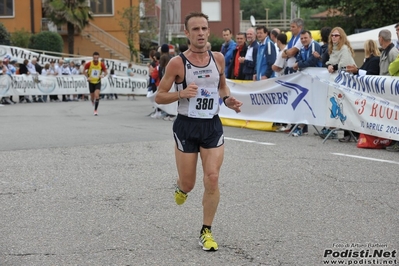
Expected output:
(207, 242)
(180, 196)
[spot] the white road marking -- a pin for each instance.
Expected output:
(366, 158)
(251, 141)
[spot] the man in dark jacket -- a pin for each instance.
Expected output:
(251, 55)
(237, 60)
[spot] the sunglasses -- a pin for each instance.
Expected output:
(335, 35)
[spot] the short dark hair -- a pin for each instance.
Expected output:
(242, 33)
(397, 25)
(96, 53)
(193, 15)
(325, 33)
(227, 29)
(282, 37)
(262, 28)
(306, 31)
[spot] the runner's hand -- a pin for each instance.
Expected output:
(234, 104)
(190, 91)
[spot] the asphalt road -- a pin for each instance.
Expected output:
(82, 190)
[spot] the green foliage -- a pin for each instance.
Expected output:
(216, 42)
(21, 38)
(138, 30)
(358, 13)
(4, 35)
(47, 41)
(75, 13)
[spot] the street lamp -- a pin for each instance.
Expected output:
(267, 17)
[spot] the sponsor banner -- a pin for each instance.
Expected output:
(119, 66)
(70, 84)
(288, 99)
(371, 109)
(368, 104)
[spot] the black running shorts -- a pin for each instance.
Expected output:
(94, 87)
(192, 133)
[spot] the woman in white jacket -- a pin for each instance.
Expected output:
(340, 50)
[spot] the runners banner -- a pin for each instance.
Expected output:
(365, 104)
(119, 66)
(68, 84)
(287, 99)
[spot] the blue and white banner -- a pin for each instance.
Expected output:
(365, 104)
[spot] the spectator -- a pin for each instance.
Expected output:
(305, 58)
(340, 50)
(266, 55)
(23, 70)
(53, 71)
(237, 64)
(397, 35)
(10, 70)
(273, 36)
(227, 49)
(280, 64)
(251, 55)
(294, 45)
(388, 54)
(65, 71)
(324, 56)
(341, 56)
(36, 72)
(370, 67)
(45, 72)
(82, 72)
(3, 71)
(129, 72)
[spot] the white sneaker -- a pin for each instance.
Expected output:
(156, 115)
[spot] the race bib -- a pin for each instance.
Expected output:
(95, 73)
(205, 104)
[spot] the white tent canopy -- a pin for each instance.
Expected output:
(357, 40)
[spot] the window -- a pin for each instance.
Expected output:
(212, 9)
(102, 7)
(6, 8)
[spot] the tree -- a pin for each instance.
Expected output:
(74, 13)
(21, 38)
(138, 29)
(47, 41)
(4, 35)
(359, 13)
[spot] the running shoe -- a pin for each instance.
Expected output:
(297, 132)
(180, 196)
(207, 242)
(95, 113)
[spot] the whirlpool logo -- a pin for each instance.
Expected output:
(46, 85)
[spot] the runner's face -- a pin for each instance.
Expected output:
(197, 32)
(95, 58)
